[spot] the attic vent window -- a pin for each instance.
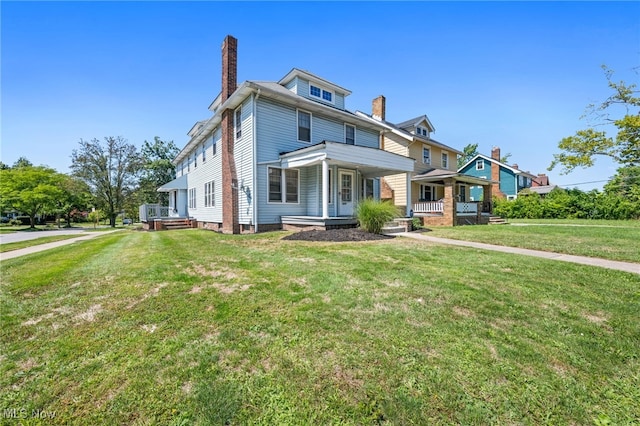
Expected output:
(319, 93)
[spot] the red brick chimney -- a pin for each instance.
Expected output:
(378, 108)
(495, 173)
(230, 222)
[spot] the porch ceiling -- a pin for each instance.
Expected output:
(371, 162)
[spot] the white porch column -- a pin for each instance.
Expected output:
(325, 189)
(409, 206)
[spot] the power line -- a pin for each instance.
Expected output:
(583, 183)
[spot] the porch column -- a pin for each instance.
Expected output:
(409, 204)
(325, 189)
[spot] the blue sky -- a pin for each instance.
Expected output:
(515, 75)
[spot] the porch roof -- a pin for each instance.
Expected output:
(371, 162)
(178, 183)
(436, 174)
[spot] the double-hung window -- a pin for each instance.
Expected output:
(209, 200)
(427, 193)
(192, 198)
(204, 153)
(214, 148)
(349, 134)
(237, 123)
(304, 126)
(479, 164)
(445, 160)
(426, 155)
(284, 185)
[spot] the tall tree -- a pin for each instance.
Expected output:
(30, 190)
(469, 152)
(110, 169)
(157, 169)
(581, 149)
(22, 162)
(75, 196)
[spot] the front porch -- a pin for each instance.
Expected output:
(452, 208)
(155, 217)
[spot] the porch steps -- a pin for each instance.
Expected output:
(392, 228)
(170, 224)
(497, 220)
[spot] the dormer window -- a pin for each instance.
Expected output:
(320, 93)
(421, 131)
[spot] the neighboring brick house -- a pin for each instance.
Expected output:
(276, 155)
(508, 181)
(434, 189)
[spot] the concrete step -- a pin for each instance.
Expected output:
(497, 220)
(392, 229)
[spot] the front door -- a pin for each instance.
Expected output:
(346, 195)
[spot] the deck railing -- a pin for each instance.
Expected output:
(152, 211)
(428, 207)
(467, 208)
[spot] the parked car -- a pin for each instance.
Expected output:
(127, 221)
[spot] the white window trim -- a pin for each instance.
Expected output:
(322, 91)
(428, 149)
(298, 111)
(479, 163)
(209, 196)
(237, 127)
(354, 133)
(193, 206)
(283, 187)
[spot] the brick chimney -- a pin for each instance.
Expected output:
(230, 222)
(495, 153)
(229, 66)
(495, 173)
(378, 108)
(515, 166)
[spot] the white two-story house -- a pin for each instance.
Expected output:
(277, 155)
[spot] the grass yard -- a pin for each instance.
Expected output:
(614, 240)
(193, 327)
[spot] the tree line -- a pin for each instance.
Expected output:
(111, 176)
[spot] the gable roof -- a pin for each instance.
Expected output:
(493, 160)
(416, 121)
(410, 137)
(296, 72)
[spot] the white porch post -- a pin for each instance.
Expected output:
(325, 189)
(409, 206)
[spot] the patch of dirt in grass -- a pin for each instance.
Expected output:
(560, 368)
(463, 312)
(493, 351)
(596, 318)
(186, 387)
(336, 235)
(213, 271)
(149, 328)
(90, 314)
(27, 364)
(195, 289)
(230, 288)
(55, 312)
(154, 292)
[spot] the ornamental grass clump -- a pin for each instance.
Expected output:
(373, 214)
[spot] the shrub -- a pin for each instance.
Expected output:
(373, 214)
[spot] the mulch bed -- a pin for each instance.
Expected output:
(338, 235)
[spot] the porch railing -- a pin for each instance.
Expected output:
(467, 208)
(152, 211)
(428, 207)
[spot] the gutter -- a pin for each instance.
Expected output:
(255, 159)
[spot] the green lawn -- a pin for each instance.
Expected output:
(615, 240)
(193, 327)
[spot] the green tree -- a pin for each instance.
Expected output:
(75, 195)
(157, 169)
(30, 190)
(581, 149)
(469, 152)
(22, 162)
(111, 171)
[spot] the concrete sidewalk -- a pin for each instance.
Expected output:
(41, 247)
(593, 261)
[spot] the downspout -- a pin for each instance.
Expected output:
(255, 160)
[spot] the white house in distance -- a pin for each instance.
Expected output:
(275, 155)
